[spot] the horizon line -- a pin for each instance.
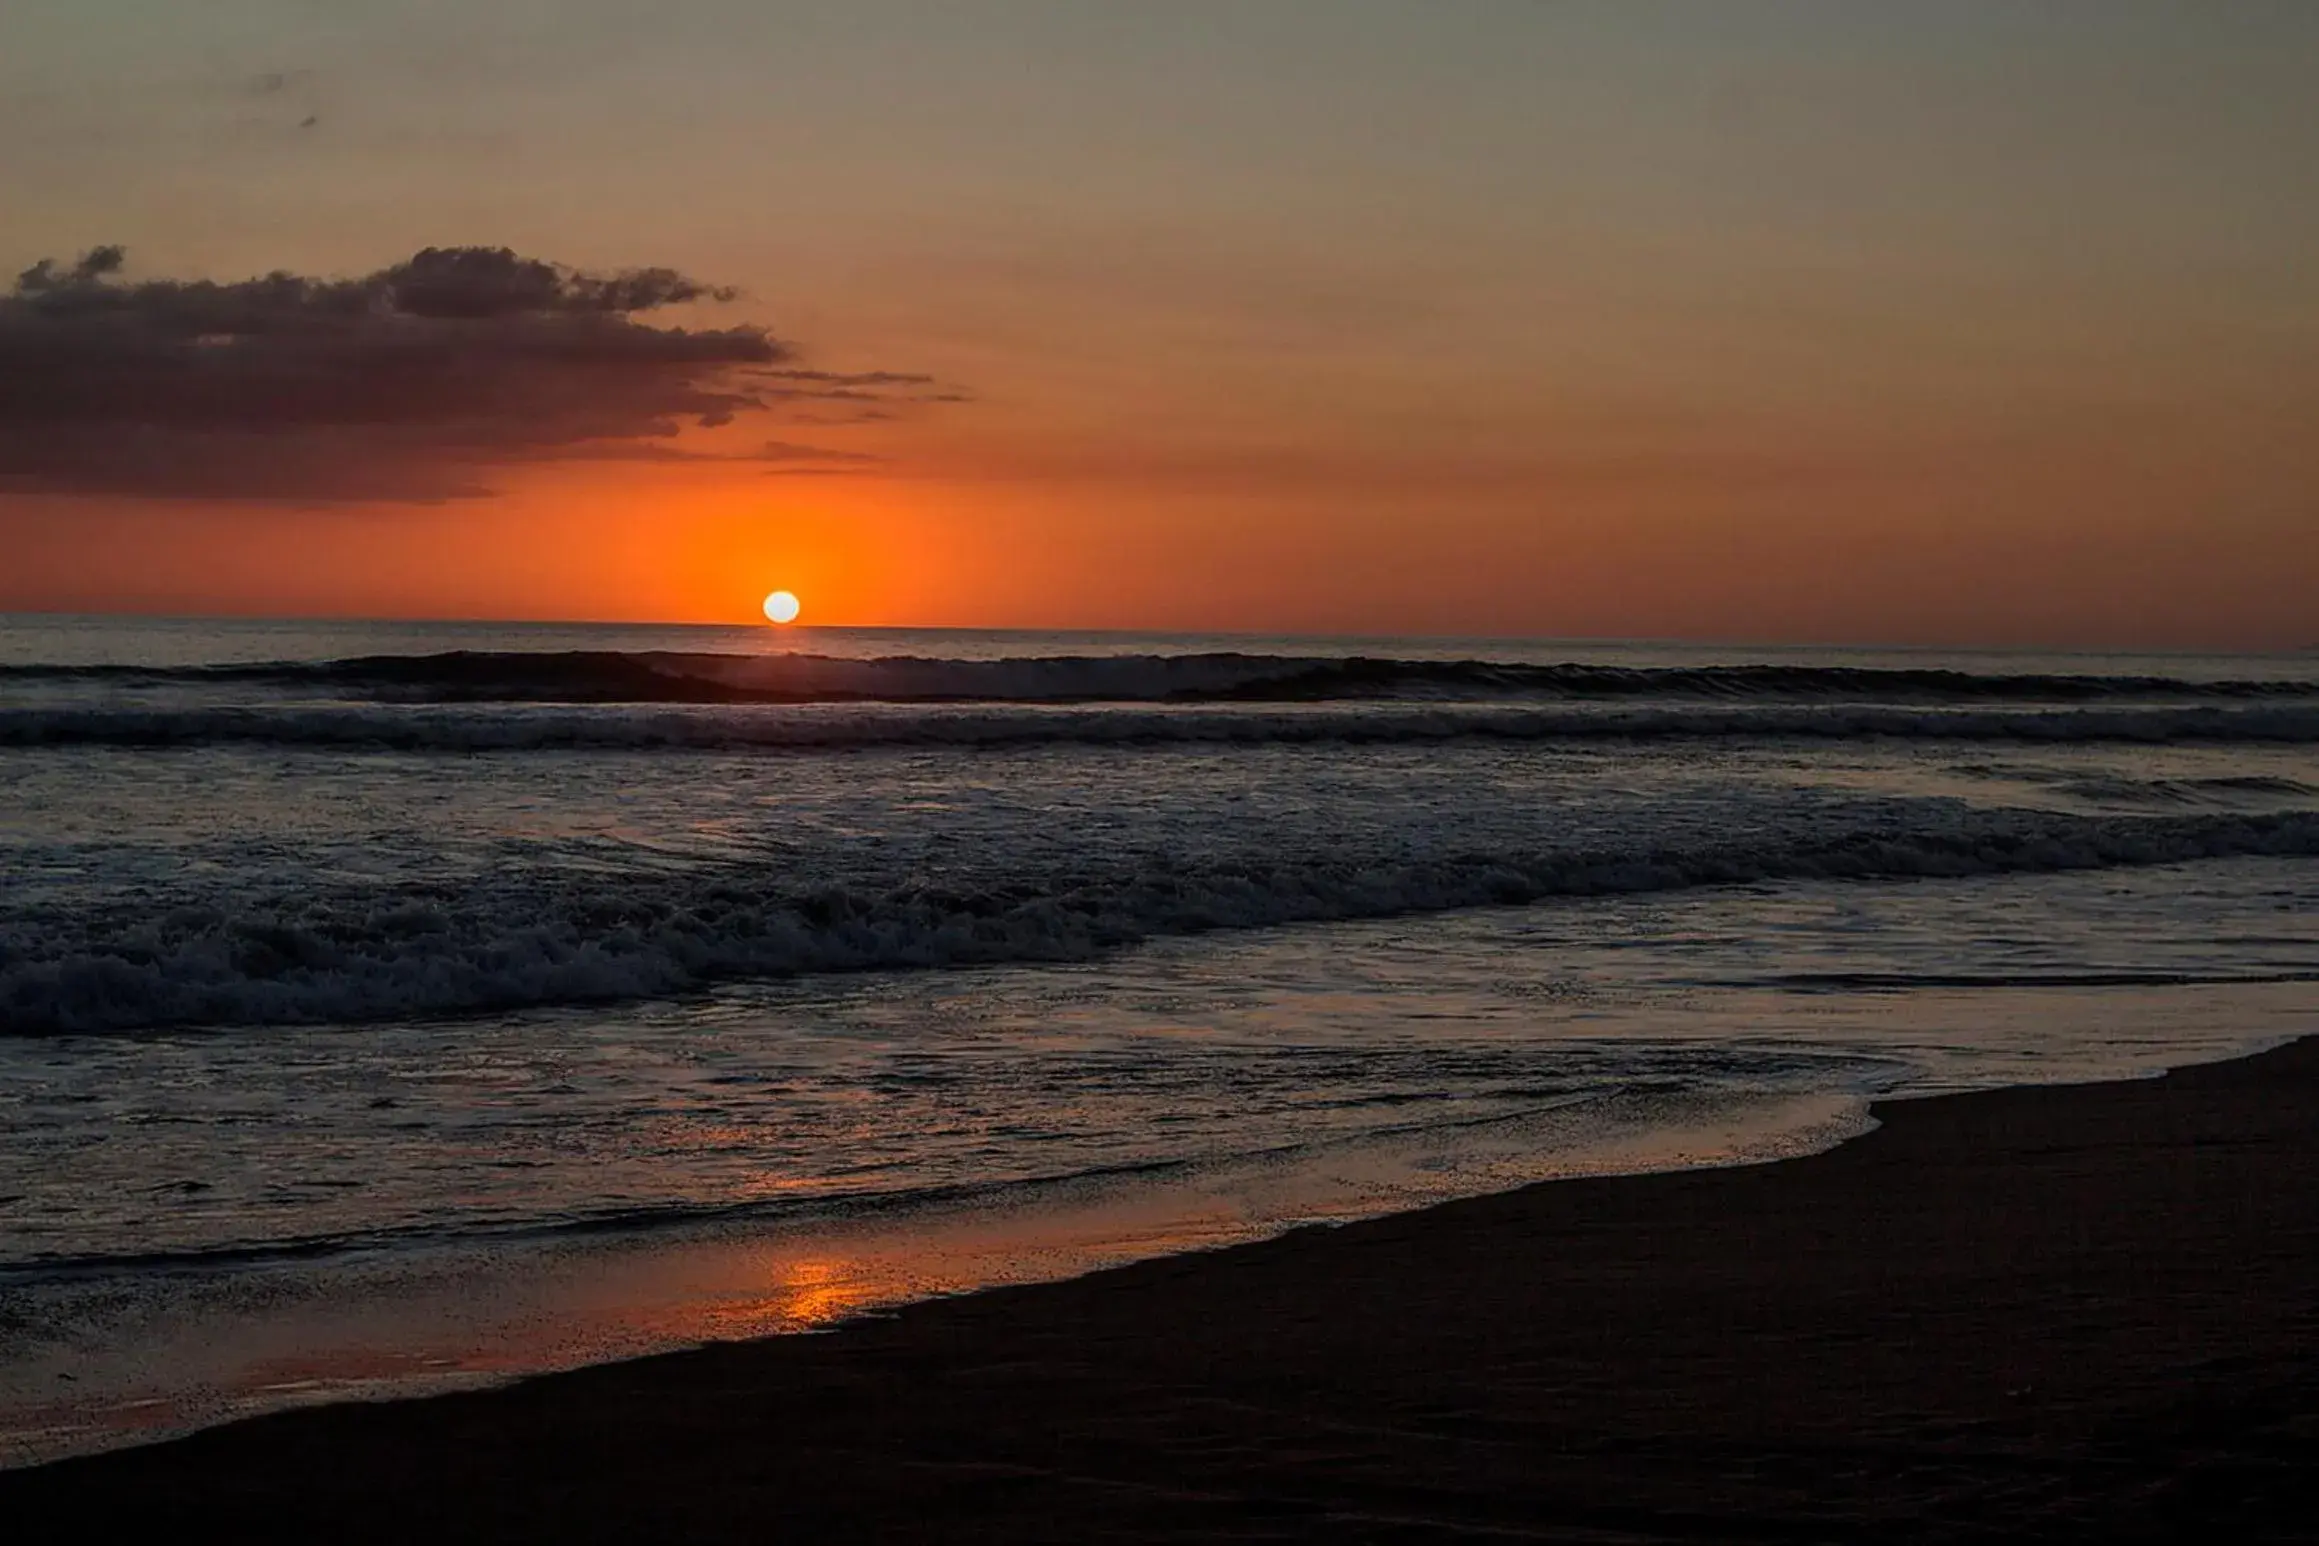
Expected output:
(1631, 641)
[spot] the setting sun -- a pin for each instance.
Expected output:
(1353, 543)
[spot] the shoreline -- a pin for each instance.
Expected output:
(126, 1362)
(2083, 1310)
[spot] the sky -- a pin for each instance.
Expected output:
(1751, 320)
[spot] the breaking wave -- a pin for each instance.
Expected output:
(613, 676)
(561, 938)
(534, 727)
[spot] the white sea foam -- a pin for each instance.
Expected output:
(652, 676)
(827, 727)
(550, 937)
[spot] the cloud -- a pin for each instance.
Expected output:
(773, 458)
(791, 456)
(273, 83)
(416, 382)
(279, 102)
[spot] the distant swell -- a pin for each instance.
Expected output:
(542, 728)
(609, 676)
(401, 952)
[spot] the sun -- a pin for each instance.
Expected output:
(782, 607)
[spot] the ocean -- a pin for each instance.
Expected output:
(392, 1007)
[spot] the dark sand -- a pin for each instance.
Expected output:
(2084, 1314)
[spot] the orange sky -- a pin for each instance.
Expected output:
(1760, 322)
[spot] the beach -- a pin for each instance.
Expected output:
(941, 771)
(2084, 1312)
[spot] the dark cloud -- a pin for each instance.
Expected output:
(791, 452)
(843, 414)
(415, 382)
(856, 380)
(278, 101)
(775, 458)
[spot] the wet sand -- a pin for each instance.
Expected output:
(2087, 1313)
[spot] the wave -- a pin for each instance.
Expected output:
(854, 1204)
(2123, 789)
(616, 1218)
(411, 728)
(2111, 789)
(397, 953)
(1899, 982)
(612, 676)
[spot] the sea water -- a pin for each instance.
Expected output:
(387, 1007)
